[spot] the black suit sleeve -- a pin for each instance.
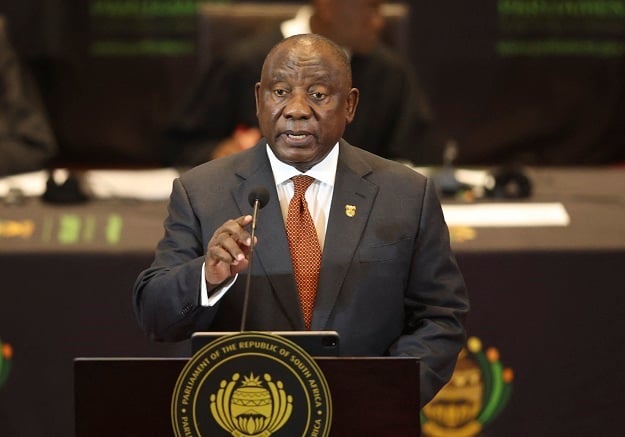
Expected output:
(166, 296)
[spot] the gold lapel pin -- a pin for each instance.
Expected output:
(350, 210)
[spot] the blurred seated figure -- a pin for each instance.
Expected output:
(26, 140)
(394, 114)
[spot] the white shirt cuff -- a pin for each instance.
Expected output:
(209, 301)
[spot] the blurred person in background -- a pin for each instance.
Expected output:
(26, 139)
(394, 113)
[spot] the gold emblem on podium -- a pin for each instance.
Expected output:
(251, 384)
(251, 409)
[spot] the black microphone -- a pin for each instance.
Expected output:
(258, 198)
(261, 194)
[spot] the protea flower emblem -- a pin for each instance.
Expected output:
(248, 409)
(478, 391)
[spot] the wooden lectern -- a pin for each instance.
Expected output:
(132, 396)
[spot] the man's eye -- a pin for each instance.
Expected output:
(318, 96)
(279, 92)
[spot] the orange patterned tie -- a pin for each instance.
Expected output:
(304, 245)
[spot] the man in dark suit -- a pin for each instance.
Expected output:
(395, 116)
(387, 280)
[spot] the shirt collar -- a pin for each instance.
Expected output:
(324, 171)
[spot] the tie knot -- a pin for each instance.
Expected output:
(301, 184)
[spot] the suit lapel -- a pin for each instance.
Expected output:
(352, 201)
(271, 234)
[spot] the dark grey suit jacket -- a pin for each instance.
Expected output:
(389, 283)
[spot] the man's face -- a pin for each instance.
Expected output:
(356, 24)
(303, 102)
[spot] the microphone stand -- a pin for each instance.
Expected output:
(249, 266)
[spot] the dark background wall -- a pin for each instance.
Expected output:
(525, 81)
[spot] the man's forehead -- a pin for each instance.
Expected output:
(301, 52)
(310, 74)
(297, 64)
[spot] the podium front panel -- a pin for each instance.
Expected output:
(132, 397)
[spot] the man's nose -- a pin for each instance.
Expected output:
(298, 106)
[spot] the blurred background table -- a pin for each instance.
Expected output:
(550, 299)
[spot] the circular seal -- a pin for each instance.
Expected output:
(251, 384)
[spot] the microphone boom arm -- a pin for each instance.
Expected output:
(258, 198)
(249, 267)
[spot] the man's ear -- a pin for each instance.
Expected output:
(352, 103)
(257, 96)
